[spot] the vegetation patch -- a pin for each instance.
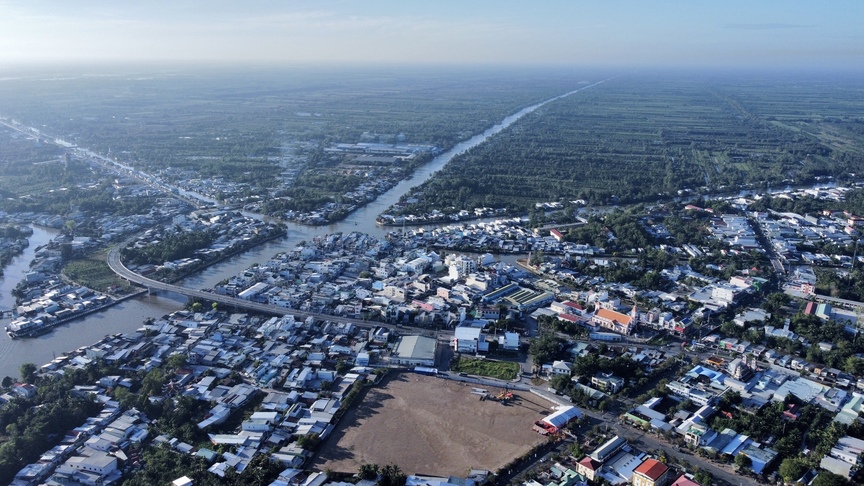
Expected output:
(503, 370)
(644, 138)
(94, 272)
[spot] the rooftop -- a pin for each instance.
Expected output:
(415, 347)
(652, 468)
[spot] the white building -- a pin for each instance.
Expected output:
(509, 341)
(469, 340)
(99, 463)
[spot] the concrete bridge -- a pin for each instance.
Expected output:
(120, 269)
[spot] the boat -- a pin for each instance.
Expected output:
(24, 328)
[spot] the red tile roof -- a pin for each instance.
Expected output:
(685, 481)
(611, 315)
(652, 468)
(590, 463)
(574, 305)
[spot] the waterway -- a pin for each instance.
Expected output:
(129, 315)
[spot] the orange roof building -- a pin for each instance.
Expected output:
(651, 473)
(615, 321)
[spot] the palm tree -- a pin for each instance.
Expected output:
(391, 475)
(368, 471)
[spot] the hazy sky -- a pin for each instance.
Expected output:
(787, 33)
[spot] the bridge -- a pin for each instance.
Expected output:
(121, 270)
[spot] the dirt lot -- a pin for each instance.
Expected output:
(429, 425)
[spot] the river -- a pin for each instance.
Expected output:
(129, 315)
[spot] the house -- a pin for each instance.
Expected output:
(699, 435)
(588, 467)
(362, 359)
(651, 473)
(561, 368)
(558, 419)
(182, 481)
(24, 390)
(607, 382)
(615, 321)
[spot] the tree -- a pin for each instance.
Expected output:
(7, 381)
(560, 382)
(28, 372)
(791, 469)
(309, 441)
(544, 349)
(826, 478)
(703, 477)
(743, 462)
(175, 361)
(774, 302)
(391, 475)
(368, 472)
(854, 365)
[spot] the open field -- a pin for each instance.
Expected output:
(432, 426)
(94, 272)
(503, 370)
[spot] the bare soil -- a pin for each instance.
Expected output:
(429, 425)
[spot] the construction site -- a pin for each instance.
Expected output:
(435, 426)
(503, 397)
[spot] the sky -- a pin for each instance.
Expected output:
(731, 33)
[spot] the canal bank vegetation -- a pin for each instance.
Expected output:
(13, 241)
(648, 138)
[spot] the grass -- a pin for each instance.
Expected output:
(93, 272)
(503, 370)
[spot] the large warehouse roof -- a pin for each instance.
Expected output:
(415, 347)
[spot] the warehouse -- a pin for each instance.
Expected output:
(414, 351)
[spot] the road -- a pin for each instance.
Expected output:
(114, 166)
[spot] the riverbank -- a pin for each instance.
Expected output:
(47, 327)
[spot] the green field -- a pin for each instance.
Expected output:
(503, 370)
(94, 272)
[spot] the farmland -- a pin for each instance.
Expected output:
(645, 137)
(266, 129)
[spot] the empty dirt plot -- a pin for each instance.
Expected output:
(430, 425)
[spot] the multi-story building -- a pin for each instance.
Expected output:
(615, 321)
